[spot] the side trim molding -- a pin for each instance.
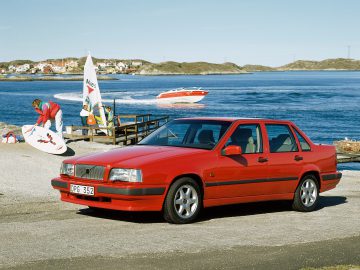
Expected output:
(250, 181)
(332, 176)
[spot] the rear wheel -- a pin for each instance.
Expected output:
(183, 201)
(307, 194)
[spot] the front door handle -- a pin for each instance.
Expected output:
(298, 158)
(262, 159)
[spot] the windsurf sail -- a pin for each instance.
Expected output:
(91, 92)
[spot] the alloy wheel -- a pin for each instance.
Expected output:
(186, 201)
(308, 192)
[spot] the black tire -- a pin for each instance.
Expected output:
(306, 199)
(172, 208)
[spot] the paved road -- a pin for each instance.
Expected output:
(53, 235)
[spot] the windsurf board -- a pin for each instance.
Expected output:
(44, 140)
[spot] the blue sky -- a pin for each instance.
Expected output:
(273, 32)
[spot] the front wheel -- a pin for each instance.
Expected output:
(183, 201)
(307, 194)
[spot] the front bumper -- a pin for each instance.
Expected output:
(111, 196)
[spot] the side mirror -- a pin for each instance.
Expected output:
(231, 150)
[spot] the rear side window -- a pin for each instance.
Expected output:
(281, 139)
(248, 137)
(303, 143)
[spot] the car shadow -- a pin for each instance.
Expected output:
(134, 217)
(244, 209)
(218, 212)
(328, 201)
(69, 153)
(256, 208)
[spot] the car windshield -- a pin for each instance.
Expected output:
(202, 134)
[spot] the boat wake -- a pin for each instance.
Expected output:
(127, 99)
(124, 100)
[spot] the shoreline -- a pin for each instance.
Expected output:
(18, 77)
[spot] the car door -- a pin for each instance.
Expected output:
(285, 160)
(240, 175)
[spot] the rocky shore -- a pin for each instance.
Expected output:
(5, 128)
(194, 68)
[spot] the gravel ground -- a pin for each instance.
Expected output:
(37, 231)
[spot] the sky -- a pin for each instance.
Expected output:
(266, 32)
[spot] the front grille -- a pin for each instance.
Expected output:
(92, 172)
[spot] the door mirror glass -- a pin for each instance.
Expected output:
(231, 150)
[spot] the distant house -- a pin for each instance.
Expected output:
(40, 66)
(22, 68)
(104, 65)
(59, 63)
(101, 65)
(47, 69)
(120, 66)
(71, 64)
(58, 69)
(110, 70)
(11, 68)
(136, 63)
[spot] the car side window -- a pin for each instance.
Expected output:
(280, 138)
(248, 137)
(208, 134)
(303, 143)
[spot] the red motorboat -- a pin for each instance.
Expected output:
(182, 95)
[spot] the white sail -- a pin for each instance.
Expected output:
(91, 90)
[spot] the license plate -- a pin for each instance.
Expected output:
(84, 190)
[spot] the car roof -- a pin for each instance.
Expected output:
(235, 119)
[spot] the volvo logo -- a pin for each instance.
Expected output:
(87, 171)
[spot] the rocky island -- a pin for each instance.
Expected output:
(58, 69)
(194, 68)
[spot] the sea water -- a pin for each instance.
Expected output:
(325, 105)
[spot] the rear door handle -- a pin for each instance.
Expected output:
(298, 158)
(262, 159)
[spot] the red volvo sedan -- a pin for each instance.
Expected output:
(192, 163)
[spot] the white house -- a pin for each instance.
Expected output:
(58, 69)
(41, 66)
(71, 64)
(121, 66)
(22, 68)
(103, 65)
(136, 63)
(11, 68)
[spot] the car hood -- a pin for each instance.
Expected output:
(134, 156)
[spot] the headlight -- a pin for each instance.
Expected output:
(127, 175)
(67, 169)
